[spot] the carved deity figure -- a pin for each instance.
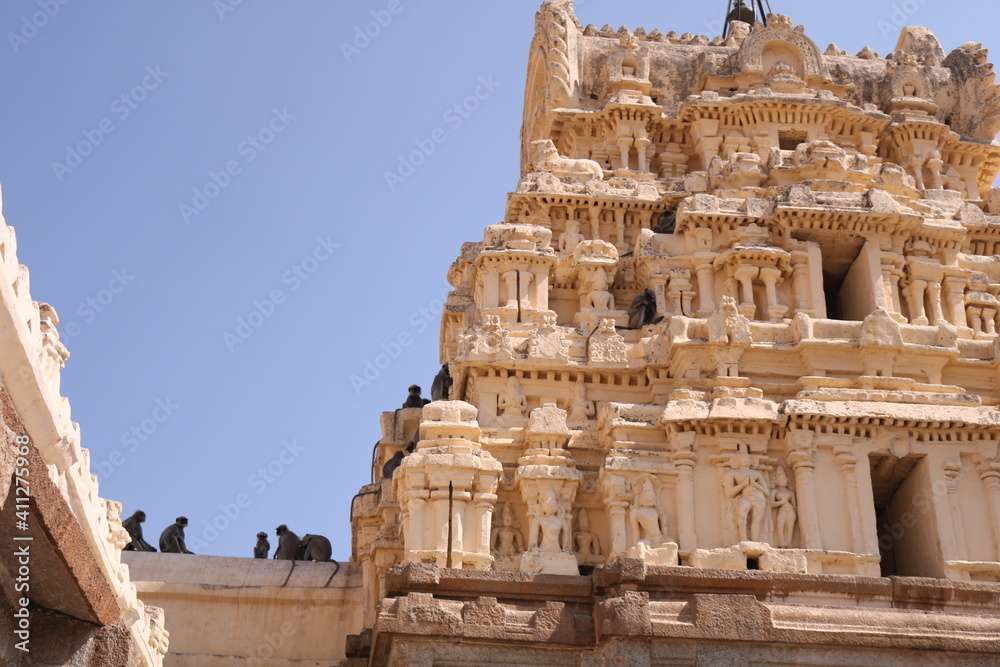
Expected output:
(587, 543)
(551, 531)
(599, 298)
(644, 516)
(582, 408)
(512, 402)
(571, 238)
(783, 504)
(748, 496)
(507, 540)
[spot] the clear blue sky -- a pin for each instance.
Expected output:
(286, 136)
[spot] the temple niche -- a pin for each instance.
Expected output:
(742, 314)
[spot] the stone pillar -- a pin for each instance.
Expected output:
(684, 460)
(523, 285)
(989, 322)
(541, 282)
(616, 526)
(706, 293)
(800, 282)
(847, 462)
(485, 502)
(510, 282)
(491, 290)
(915, 300)
(641, 146)
(952, 471)
(659, 287)
(770, 276)
(801, 461)
(745, 276)
(934, 304)
(620, 230)
(954, 294)
(989, 471)
(897, 304)
(975, 319)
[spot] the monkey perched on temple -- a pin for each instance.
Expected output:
(288, 544)
(643, 310)
(133, 525)
(172, 539)
(441, 388)
(263, 546)
(414, 400)
(390, 465)
(315, 547)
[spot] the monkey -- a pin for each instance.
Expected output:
(133, 525)
(391, 465)
(288, 544)
(315, 547)
(263, 546)
(172, 539)
(643, 310)
(667, 223)
(441, 388)
(414, 400)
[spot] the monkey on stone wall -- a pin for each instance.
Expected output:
(133, 525)
(263, 547)
(288, 544)
(172, 539)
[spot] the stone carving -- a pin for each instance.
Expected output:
(743, 170)
(172, 538)
(587, 543)
(748, 498)
(490, 341)
(607, 345)
(644, 515)
(549, 531)
(783, 504)
(547, 159)
(581, 408)
(506, 541)
(548, 341)
(263, 548)
(512, 402)
(571, 238)
(598, 297)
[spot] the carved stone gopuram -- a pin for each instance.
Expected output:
(741, 314)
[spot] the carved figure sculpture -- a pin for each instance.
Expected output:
(571, 238)
(644, 515)
(315, 547)
(582, 408)
(441, 387)
(263, 547)
(172, 538)
(643, 310)
(288, 543)
(512, 402)
(547, 158)
(586, 542)
(599, 298)
(551, 531)
(506, 540)
(746, 490)
(133, 525)
(783, 504)
(414, 400)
